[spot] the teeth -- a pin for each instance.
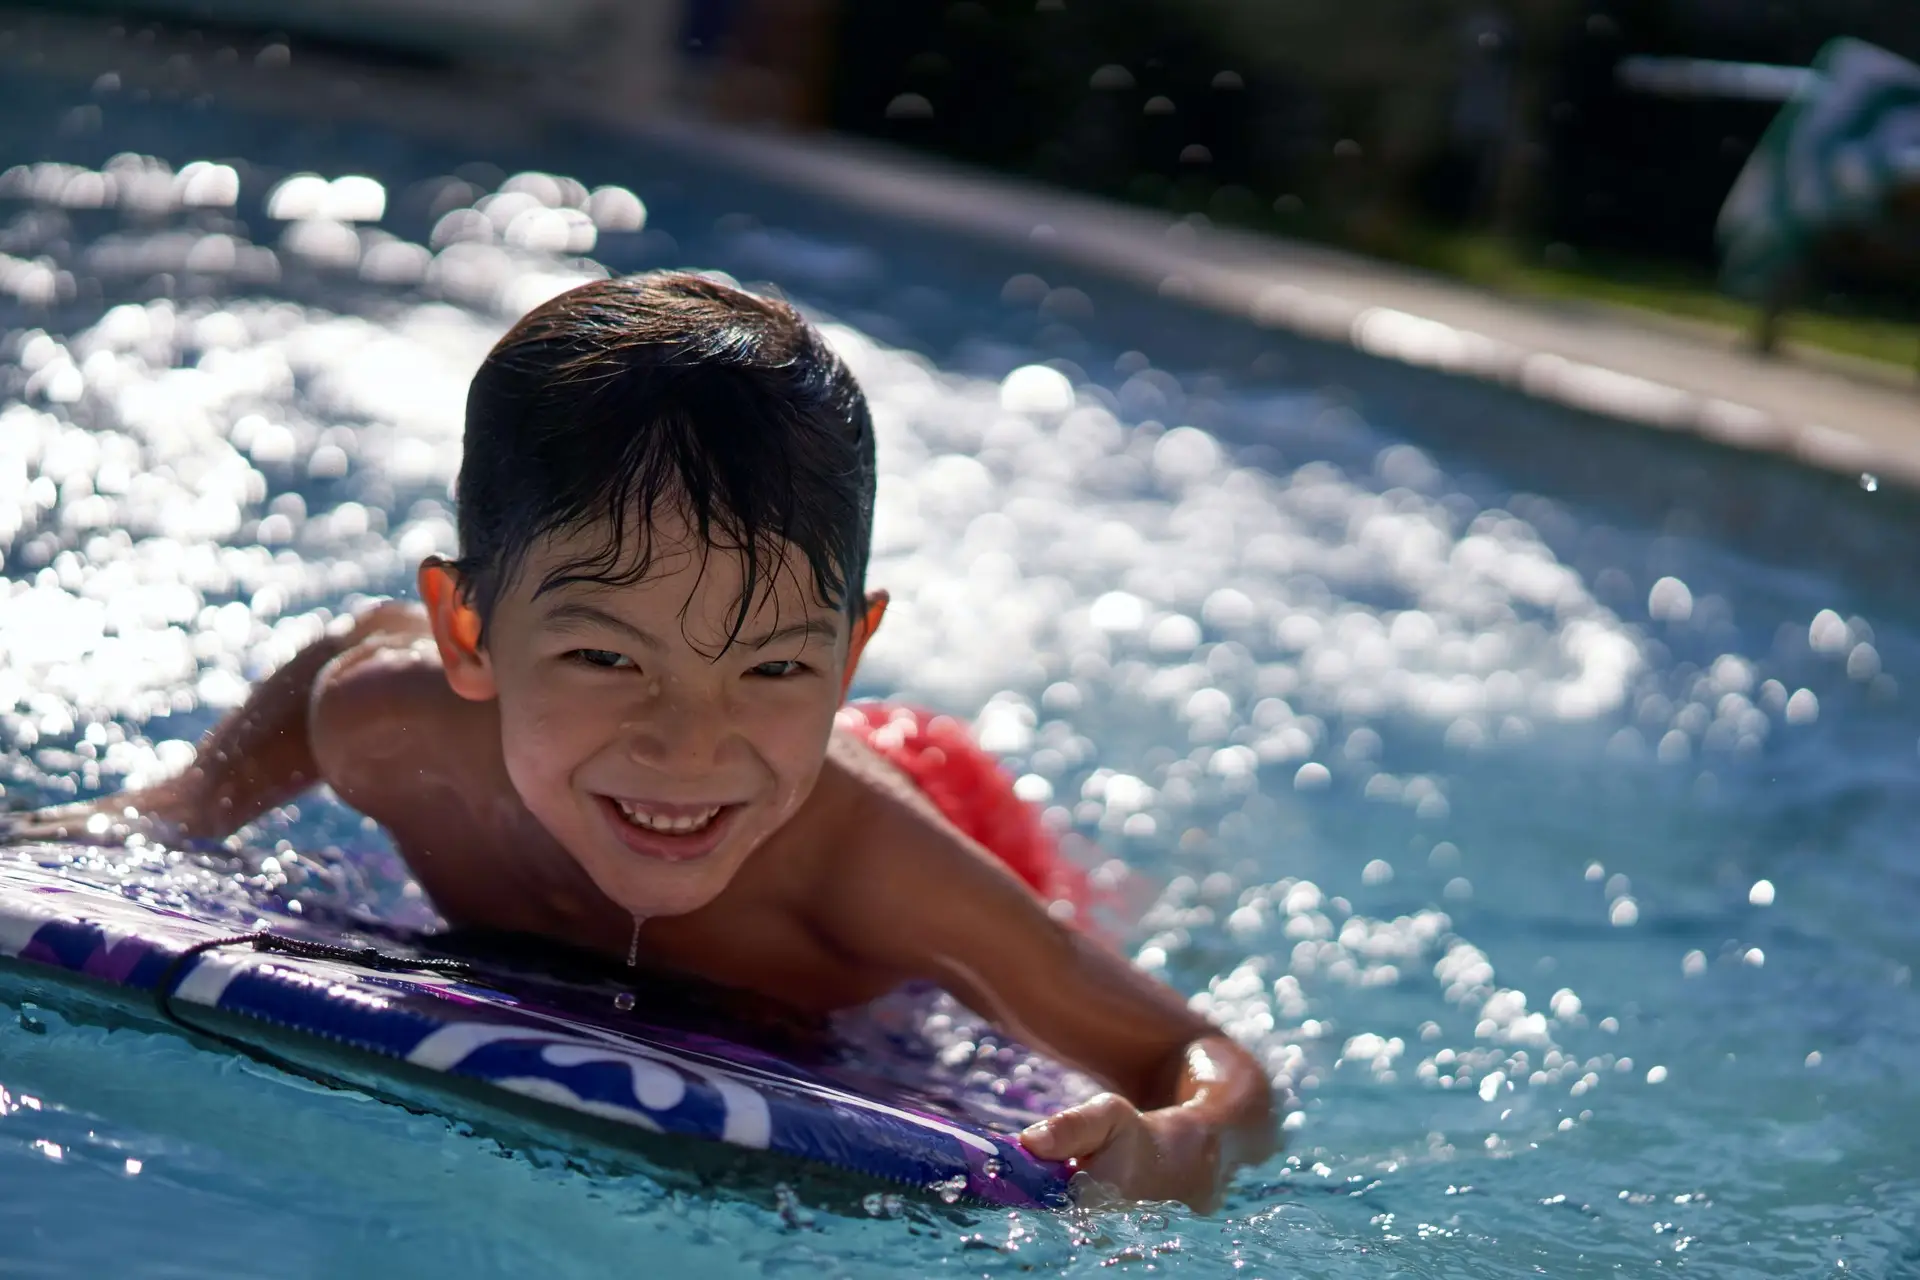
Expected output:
(640, 817)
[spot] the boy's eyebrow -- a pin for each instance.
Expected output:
(820, 627)
(582, 611)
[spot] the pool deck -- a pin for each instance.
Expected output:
(1661, 374)
(1849, 417)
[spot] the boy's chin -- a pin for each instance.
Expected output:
(653, 889)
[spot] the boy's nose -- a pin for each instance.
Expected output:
(676, 732)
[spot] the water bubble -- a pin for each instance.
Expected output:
(1761, 895)
(1869, 481)
(624, 1002)
(793, 1214)
(1312, 777)
(1863, 662)
(1118, 611)
(1036, 388)
(909, 106)
(616, 209)
(1174, 634)
(308, 196)
(1670, 601)
(1186, 455)
(1828, 633)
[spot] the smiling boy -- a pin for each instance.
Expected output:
(613, 721)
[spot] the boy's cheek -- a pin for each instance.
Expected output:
(546, 739)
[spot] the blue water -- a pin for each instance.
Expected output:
(1533, 795)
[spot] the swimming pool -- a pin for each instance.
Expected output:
(1533, 795)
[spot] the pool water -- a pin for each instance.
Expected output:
(1533, 796)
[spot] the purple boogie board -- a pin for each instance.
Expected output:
(597, 1056)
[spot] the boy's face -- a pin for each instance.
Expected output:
(659, 766)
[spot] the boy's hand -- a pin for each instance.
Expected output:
(1165, 1154)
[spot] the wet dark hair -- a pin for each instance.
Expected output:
(621, 395)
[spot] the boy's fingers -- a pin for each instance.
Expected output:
(1079, 1131)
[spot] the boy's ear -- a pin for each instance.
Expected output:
(863, 628)
(456, 630)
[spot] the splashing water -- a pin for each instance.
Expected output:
(1450, 799)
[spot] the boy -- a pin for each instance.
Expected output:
(617, 708)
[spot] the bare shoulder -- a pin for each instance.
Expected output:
(861, 786)
(812, 857)
(877, 847)
(383, 719)
(395, 742)
(388, 676)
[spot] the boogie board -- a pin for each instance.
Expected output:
(612, 1056)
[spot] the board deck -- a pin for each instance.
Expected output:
(573, 1043)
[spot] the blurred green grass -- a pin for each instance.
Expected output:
(1491, 263)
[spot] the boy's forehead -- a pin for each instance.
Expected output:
(677, 561)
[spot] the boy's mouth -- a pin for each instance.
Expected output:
(671, 832)
(675, 824)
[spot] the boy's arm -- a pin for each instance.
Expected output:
(258, 757)
(912, 894)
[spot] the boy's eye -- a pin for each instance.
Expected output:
(779, 669)
(603, 658)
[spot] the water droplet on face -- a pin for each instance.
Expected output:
(624, 1001)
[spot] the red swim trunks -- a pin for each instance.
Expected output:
(971, 789)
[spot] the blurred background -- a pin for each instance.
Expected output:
(1558, 149)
